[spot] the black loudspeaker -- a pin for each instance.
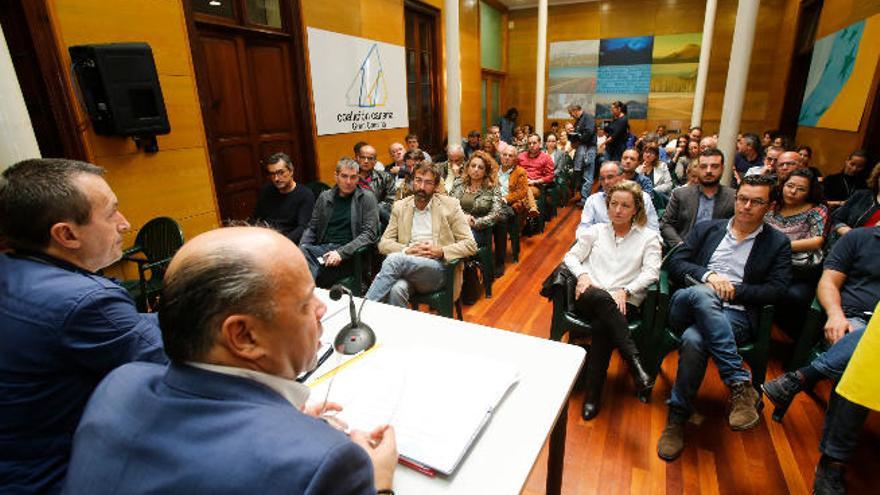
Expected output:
(121, 89)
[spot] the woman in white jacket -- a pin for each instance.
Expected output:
(614, 264)
(656, 170)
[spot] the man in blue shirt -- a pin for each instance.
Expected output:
(63, 326)
(730, 269)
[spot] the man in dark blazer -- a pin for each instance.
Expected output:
(690, 205)
(730, 269)
(240, 320)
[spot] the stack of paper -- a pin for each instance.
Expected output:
(438, 402)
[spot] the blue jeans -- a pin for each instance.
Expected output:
(710, 329)
(402, 275)
(585, 161)
(832, 362)
(842, 428)
(314, 251)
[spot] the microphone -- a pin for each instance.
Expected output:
(356, 336)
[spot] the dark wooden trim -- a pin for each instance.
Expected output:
(492, 72)
(439, 66)
(871, 142)
(799, 70)
(62, 101)
(292, 17)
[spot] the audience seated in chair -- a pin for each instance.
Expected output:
(707, 200)
(377, 182)
(283, 204)
(862, 209)
(771, 156)
(345, 219)
(731, 269)
(471, 144)
(412, 144)
(412, 159)
(537, 164)
(596, 208)
(480, 198)
(655, 171)
(841, 186)
(425, 229)
(801, 215)
(64, 326)
(517, 202)
(614, 264)
(629, 162)
(454, 166)
(227, 414)
(848, 292)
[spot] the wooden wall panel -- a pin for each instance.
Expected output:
(382, 20)
(176, 181)
(831, 147)
(611, 19)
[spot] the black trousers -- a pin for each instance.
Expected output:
(499, 231)
(610, 329)
(842, 428)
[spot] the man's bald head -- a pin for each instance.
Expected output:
(221, 273)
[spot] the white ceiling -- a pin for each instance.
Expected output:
(528, 4)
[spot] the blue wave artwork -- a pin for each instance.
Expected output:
(834, 58)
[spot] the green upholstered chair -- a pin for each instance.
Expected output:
(443, 301)
(154, 246)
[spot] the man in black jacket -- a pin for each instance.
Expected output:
(345, 219)
(617, 132)
(283, 204)
(733, 268)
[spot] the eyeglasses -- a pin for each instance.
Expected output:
(278, 173)
(367, 158)
(743, 200)
(787, 164)
(769, 159)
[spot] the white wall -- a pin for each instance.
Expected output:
(17, 140)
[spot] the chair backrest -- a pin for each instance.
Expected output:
(317, 187)
(159, 239)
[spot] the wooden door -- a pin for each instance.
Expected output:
(253, 96)
(422, 75)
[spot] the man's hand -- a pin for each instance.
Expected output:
(381, 445)
(619, 297)
(328, 414)
(332, 258)
(425, 250)
(471, 220)
(836, 327)
(583, 284)
(722, 286)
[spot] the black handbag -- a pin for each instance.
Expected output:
(472, 283)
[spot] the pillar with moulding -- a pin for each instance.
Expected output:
(703, 69)
(737, 78)
(17, 139)
(541, 68)
(453, 72)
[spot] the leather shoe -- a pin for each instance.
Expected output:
(671, 442)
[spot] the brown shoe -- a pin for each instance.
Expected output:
(671, 441)
(743, 406)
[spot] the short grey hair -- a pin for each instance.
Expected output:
(454, 147)
(346, 162)
(203, 292)
(616, 164)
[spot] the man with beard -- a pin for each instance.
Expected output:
(690, 205)
(425, 230)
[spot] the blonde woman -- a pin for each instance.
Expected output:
(479, 195)
(614, 264)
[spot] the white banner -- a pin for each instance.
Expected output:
(358, 84)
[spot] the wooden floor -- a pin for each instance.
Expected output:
(616, 452)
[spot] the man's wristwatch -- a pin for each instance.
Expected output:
(386, 491)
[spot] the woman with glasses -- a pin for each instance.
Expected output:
(802, 216)
(614, 264)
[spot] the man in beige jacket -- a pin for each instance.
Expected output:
(424, 230)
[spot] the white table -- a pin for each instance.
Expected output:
(503, 456)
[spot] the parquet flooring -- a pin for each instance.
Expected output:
(615, 453)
